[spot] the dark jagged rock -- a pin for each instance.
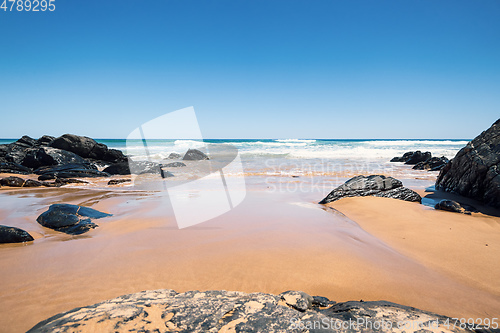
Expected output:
(231, 311)
(11, 167)
(45, 140)
(12, 181)
(404, 158)
(374, 185)
(417, 157)
(74, 170)
(13, 235)
(26, 141)
(139, 167)
(70, 219)
(118, 181)
(174, 156)
(87, 147)
(47, 156)
(454, 206)
(475, 171)
(173, 165)
(195, 155)
(432, 164)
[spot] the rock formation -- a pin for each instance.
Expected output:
(13, 235)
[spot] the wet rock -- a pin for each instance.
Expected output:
(417, 157)
(374, 185)
(229, 311)
(73, 170)
(70, 219)
(404, 158)
(87, 147)
(12, 181)
(139, 167)
(173, 165)
(26, 141)
(11, 167)
(475, 171)
(432, 164)
(456, 207)
(65, 181)
(174, 156)
(195, 155)
(13, 235)
(45, 140)
(118, 181)
(47, 156)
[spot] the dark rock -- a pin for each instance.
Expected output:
(320, 301)
(33, 183)
(404, 158)
(230, 311)
(138, 167)
(87, 147)
(12, 181)
(432, 164)
(11, 167)
(118, 181)
(456, 207)
(13, 235)
(374, 185)
(174, 156)
(74, 170)
(46, 156)
(195, 155)
(65, 181)
(475, 171)
(417, 157)
(26, 141)
(173, 165)
(45, 140)
(70, 219)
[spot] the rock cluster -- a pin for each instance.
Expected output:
(422, 161)
(374, 185)
(475, 171)
(229, 311)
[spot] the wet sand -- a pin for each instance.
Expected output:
(272, 242)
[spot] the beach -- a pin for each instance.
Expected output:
(279, 238)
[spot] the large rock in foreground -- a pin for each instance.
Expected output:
(70, 219)
(227, 311)
(374, 185)
(13, 235)
(475, 171)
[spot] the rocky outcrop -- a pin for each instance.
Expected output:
(432, 164)
(11, 167)
(422, 161)
(230, 311)
(72, 170)
(374, 185)
(475, 171)
(13, 235)
(455, 207)
(45, 156)
(70, 219)
(88, 148)
(195, 155)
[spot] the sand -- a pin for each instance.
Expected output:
(271, 243)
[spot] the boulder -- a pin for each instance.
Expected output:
(195, 155)
(233, 311)
(417, 157)
(46, 156)
(65, 181)
(11, 167)
(454, 206)
(118, 181)
(70, 219)
(432, 164)
(45, 140)
(87, 147)
(174, 156)
(26, 141)
(404, 158)
(13, 235)
(374, 185)
(475, 171)
(12, 181)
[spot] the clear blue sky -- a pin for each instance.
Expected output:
(252, 68)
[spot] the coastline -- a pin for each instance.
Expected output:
(272, 242)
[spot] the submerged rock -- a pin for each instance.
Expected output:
(454, 206)
(230, 311)
(475, 171)
(195, 155)
(374, 185)
(13, 235)
(70, 219)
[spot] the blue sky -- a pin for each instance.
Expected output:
(253, 69)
